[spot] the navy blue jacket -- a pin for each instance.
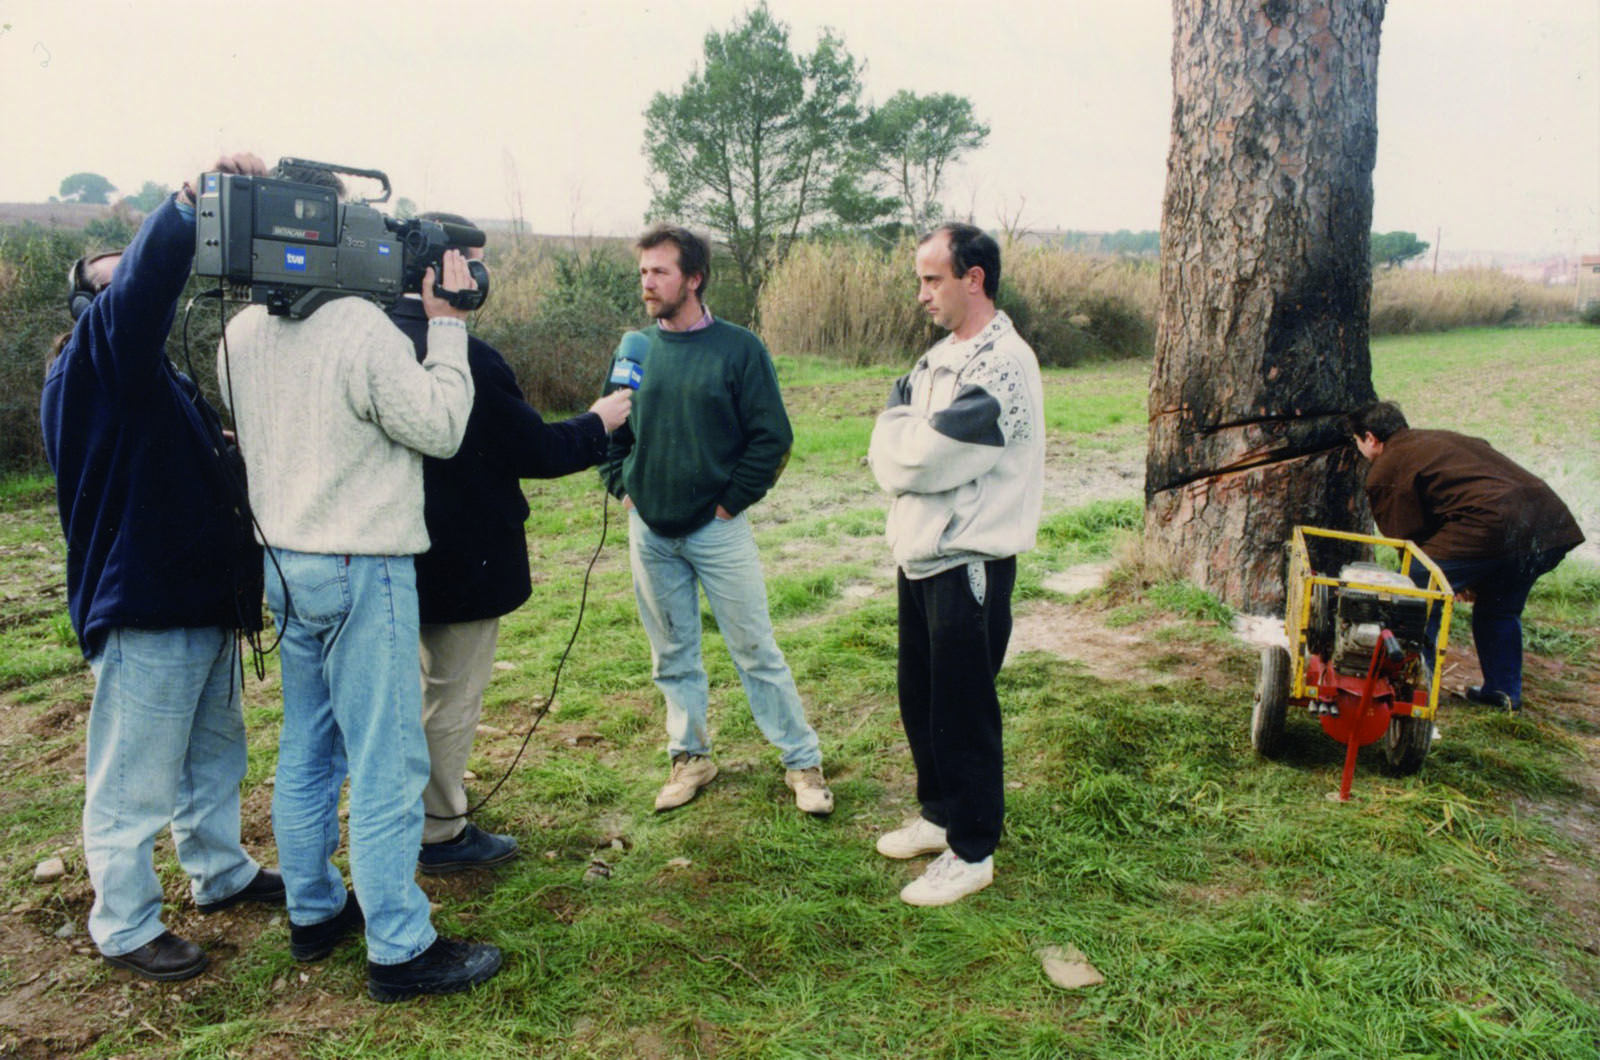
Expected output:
(477, 566)
(157, 537)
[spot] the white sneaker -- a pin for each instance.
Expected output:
(919, 836)
(810, 789)
(689, 774)
(948, 879)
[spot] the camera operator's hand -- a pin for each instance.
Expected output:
(456, 278)
(243, 163)
(613, 409)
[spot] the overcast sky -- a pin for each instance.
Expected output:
(1488, 110)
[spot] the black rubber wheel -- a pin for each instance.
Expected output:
(1271, 703)
(1406, 743)
(1320, 623)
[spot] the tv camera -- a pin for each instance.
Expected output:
(292, 246)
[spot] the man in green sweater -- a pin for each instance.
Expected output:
(708, 436)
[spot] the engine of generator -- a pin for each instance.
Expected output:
(1363, 613)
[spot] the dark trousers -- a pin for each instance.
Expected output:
(1500, 586)
(951, 646)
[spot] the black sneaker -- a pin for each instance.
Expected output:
(266, 888)
(472, 849)
(312, 942)
(449, 966)
(1477, 694)
(167, 958)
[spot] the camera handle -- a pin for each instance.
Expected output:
(371, 174)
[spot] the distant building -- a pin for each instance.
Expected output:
(1588, 279)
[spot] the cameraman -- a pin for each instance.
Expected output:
(477, 569)
(161, 572)
(334, 415)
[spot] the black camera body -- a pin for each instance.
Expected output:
(292, 246)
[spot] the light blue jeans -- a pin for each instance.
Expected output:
(166, 745)
(352, 702)
(721, 558)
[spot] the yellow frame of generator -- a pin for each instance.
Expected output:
(1297, 613)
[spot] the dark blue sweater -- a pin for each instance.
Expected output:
(155, 536)
(477, 566)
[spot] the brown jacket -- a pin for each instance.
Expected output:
(1457, 498)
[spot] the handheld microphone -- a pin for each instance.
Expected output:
(627, 369)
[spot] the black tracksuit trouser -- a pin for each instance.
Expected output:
(954, 627)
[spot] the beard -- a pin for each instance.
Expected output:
(666, 309)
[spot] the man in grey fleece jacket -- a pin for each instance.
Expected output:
(961, 450)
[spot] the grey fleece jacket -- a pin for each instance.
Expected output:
(961, 450)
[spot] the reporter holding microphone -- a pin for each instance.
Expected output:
(477, 569)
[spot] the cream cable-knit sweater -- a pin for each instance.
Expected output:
(334, 415)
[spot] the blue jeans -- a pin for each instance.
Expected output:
(1500, 587)
(166, 745)
(352, 702)
(667, 574)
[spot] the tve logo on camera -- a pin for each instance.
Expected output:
(294, 259)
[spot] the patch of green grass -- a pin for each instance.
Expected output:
(790, 596)
(813, 370)
(857, 522)
(1190, 601)
(35, 654)
(26, 491)
(1569, 595)
(1233, 910)
(1097, 398)
(574, 778)
(1571, 645)
(1094, 525)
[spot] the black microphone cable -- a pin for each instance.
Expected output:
(555, 683)
(240, 491)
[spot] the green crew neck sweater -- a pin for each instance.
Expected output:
(708, 428)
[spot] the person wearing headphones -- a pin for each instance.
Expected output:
(162, 572)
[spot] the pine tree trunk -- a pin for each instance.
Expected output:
(1265, 286)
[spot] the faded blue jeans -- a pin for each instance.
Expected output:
(720, 557)
(166, 745)
(352, 702)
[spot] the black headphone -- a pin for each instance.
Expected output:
(80, 294)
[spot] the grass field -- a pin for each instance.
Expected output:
(1233, 910)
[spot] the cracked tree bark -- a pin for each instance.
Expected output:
(1265, 285)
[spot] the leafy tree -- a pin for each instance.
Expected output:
(911, 140)
(753, 145)
(149, 196)
(89, 188)
(858, 205)
(1395, 248)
